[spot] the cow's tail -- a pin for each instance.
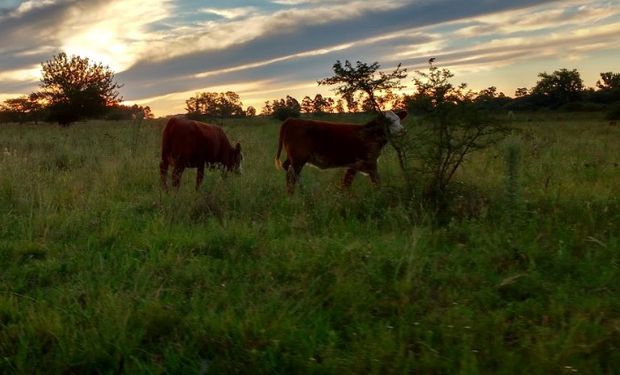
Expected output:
(278, 162)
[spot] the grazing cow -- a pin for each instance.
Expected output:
(335, 145)
(192, 144)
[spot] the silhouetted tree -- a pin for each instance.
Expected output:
(285, 108)
(339, 108)
(609, 81)
(322, 104)
(521, 92)
(307, 105)
(216, 106)
(23, 109)
(561, 87)
(452, 128)
(250, 111)
(267, 110)
(490, 99)
(125, 112)
(76, 89)
(363, 78)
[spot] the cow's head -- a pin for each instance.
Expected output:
(393, 122)
(237, 158)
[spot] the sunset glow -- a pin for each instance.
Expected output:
(164, 51)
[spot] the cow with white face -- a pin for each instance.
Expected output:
(394, 125)
(336, 145)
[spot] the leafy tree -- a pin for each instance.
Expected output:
(321, 104)
(490, 99)
(609, 81)
(307, 105)
(560, 87)
(339, 108)
(76, 89)
(212, 105)
(452, 128)
(125, 112)
(23, 109)
(363, 78)
(267, 110)
(250, 111)
(285, 108)
(521, 92)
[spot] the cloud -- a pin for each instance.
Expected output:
(164, 49)
(263, 38)
(230, 13)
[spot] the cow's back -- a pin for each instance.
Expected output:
(190, 142)
(326, 144)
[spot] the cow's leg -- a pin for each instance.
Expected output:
(349, 175)
(163, 173)
(374, 176)
(176, 175)
(292, 176)
(200, 173)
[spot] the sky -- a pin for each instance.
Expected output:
(165, 51)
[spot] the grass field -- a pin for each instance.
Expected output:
(102, 272)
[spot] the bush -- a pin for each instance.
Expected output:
(614, 113)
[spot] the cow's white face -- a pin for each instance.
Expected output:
(394, 125)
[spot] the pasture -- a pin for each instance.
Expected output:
(102, 272)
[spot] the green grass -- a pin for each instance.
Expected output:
(102, 272)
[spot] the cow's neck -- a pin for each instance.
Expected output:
(226, 154)
(376, 131)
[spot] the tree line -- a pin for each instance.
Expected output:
(562, 90)
(73, 89)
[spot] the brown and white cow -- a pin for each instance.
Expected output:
(192, 144)
(336, 145)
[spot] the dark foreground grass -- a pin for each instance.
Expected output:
(101, 272)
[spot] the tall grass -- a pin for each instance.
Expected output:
(102, 272)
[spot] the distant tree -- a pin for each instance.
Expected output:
(267, 109)
(609, 81)
(307, 105)
(285, 108)
(212, 105)
(388, 100)
(366, 104)
(490, 99)
(250, 111)
(322, 104)
(339, 108)
(148, 113)
(123, 112)
(561, 87)
(352, 104)
(76, 89)
(521, 92)
(23, 109)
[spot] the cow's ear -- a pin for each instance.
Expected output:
(402, 114)
(238, 147)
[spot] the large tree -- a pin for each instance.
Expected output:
(75, 88)
(364, 78)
